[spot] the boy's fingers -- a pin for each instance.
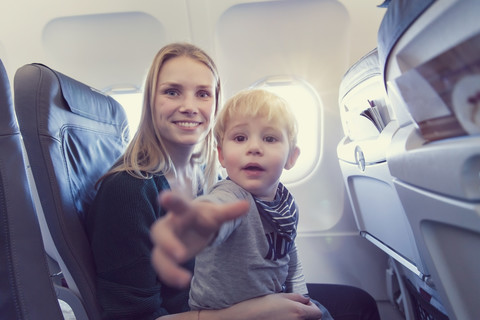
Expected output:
(296, 297)
(174, 202)
(163, 238)
(169, 250)
(233, 210)
(168, 271)
(179, 205)
(213, 215)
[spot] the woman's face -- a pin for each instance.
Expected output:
(185, 102)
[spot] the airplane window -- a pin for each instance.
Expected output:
(306, 105)
(132, 103)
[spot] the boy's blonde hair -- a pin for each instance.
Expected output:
(257, 103)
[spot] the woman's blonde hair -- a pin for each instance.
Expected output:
(257, 103)
(146, 154)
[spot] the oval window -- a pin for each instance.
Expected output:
(306, 106)
(132, 104)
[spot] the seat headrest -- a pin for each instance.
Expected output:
(397, 19)
(89, 102)
(363, 69)
(8, 123)
(76, 123)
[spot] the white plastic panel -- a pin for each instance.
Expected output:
(88, 42)
(328, 259)
(448, 231)
(378, 209)
(264, 31)
(2, 52)
(448, 166)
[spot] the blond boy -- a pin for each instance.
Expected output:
(254, 255)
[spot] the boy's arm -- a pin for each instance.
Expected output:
(295, 279)
(225, 191)
(187, 228)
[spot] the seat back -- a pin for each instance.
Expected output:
(26, 289)
(72, 135)
(434, 157)
(369, 126)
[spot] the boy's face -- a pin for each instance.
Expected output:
(254, 152)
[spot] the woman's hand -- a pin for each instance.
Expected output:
(187, 228)
(282, 306)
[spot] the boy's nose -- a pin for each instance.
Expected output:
(254, 147)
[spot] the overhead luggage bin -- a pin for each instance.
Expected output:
(431, 74)
(369, 124)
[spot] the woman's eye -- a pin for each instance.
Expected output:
(171, 92)
(204, 94)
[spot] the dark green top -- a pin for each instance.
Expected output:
(118, 226)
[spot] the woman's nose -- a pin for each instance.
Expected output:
(188, 105)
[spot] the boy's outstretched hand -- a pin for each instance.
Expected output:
(187, 228)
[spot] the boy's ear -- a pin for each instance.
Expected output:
(292, 158)
(221, 158)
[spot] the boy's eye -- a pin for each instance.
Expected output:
(270, 139)
(240, 138)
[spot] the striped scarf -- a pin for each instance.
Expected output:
(281, 213)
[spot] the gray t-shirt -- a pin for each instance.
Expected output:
(234, 267)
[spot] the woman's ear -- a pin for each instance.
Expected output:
(292, 158)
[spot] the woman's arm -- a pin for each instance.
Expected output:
(118, 227)
(282, 306)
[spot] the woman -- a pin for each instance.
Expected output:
(173, 144)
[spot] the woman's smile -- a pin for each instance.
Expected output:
(187, 124)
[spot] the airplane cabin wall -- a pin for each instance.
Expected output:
(316, 41)
(110, 45)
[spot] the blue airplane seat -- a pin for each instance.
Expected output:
(431, 74)
(26, 289)
(72, 135)
(401, 14)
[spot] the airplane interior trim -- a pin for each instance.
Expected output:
(386, 94)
